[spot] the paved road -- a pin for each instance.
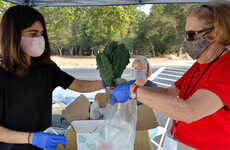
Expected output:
(93, 74)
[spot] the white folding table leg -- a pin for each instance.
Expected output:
(163, 135)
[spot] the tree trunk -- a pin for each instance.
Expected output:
(60, 51)
(153, 50)
(71, 51)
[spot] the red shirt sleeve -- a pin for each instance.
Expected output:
(218, 82)
(180, 81)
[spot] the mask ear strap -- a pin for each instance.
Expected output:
(205, 35)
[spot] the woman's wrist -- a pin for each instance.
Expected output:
(30, 137)
(131, 89)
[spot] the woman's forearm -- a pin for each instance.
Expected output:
(158, 89)
(166, 104)
(86, 86)
(14, 137)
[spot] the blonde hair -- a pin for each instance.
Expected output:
(146, 62)
(216, 14)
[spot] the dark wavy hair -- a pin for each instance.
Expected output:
(16, 19)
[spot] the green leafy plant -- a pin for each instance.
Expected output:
(111, 64)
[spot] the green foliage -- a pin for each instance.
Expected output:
(115, 52)
(87, 28)
(80, 30)
(163, 30)
(112, 62)
(106, 69)
(3, 7)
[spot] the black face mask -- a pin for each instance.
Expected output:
(196, 47)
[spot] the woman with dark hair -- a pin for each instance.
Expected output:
(28, 76)
(199, 102)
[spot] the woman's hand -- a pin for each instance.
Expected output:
(47, 141)
(103, 84)
(106, 87)
(120, 94)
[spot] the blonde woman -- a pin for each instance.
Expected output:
(199, 102)
(141, 71)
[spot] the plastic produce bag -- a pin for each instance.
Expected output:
(95, 111)
(120, 127)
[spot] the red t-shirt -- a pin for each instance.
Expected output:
(211, 132)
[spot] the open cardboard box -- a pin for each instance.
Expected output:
(77, 113)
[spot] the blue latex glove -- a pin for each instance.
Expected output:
(106, 87)
(120, 94)
(103, 85)
(47, 141)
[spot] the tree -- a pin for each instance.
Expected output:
(163, 30)
(81, 30)
(3, 7)
(87, 28)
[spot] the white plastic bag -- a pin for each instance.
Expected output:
(120, 127)
(94, 111)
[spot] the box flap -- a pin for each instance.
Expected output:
(87, 126)
(101, 99)
(77, 110)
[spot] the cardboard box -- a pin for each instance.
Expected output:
(77, 110)
(71, 140)
(77, 113)
(87, 132)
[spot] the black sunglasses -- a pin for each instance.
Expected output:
(190, 35)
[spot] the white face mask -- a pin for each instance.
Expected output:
(33, 46)
(139, 74)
